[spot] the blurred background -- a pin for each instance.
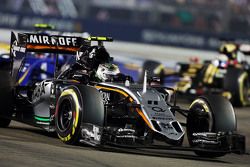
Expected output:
(200, 24)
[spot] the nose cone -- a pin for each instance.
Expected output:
(160, 115)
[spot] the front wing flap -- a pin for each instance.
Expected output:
(220, 142)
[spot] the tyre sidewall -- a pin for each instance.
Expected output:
(4, 122)
(201, 104)
(235, 82)
(70, 135)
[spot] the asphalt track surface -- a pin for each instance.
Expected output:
(23, 145)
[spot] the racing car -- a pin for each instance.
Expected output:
(226, 75)
(110, 112)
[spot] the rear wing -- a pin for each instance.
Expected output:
(21, 43)
(27, 42)
(31, 42)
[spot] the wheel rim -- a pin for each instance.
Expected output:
(65, 115)
(200, 120)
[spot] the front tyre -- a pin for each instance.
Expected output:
(68, 115)
(210, 114)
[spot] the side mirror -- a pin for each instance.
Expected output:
(111, 59)
(154, 81)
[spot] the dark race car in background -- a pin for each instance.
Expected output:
(115, 113)
(227, 75)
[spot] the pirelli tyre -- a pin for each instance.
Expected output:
(236, 81)
(209, 114)
(4, 122)
(6, 96)
(154, 69)
(68, 115)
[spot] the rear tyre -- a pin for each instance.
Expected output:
(4, 122)
(6, 95)
(210, 114)
(236, 81)
(68, 116)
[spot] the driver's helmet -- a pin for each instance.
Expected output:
(221, 61)
(230, 50)
(107, 71)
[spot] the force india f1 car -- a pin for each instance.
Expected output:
(227, 75)
(112, 113)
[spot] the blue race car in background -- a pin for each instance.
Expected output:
(38, 67)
